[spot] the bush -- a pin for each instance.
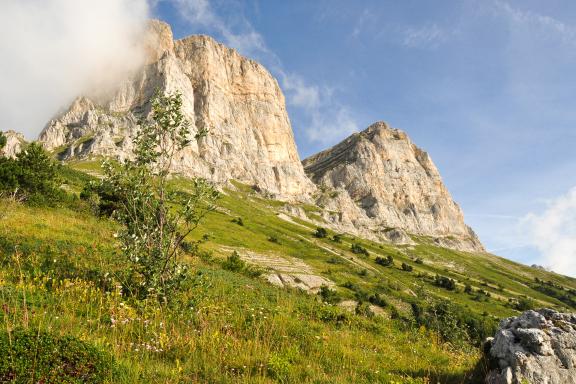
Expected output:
(328, 295)
(238, 221)
(32, 176)
(523, 304)
(234, 263)
(454, 323)
(359, 250)
(385, 261)
(32, 357)
(445, 282)
(407, 267)
(274, 239)
(321, 233)
(363, 309)
(378, 300)
(337, 238)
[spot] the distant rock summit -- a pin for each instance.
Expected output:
(380, 181)
(250, 138)
(375, 183)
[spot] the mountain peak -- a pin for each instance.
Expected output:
(383, 181)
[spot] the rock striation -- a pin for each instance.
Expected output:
(535, 347)
(236, 99)
(379, 182)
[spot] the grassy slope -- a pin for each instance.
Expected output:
(226, 327)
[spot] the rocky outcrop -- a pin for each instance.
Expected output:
(535, 347)
(236, 99)
(14, 143)
(378, 180)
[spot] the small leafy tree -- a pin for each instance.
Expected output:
(155, 219)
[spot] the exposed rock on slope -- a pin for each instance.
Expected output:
(535, 347)
(378, 180)
(250, 138)
(14, 143)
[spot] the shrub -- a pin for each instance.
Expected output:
(419, 261)
(337, 238)
(378, 300)
(335, 260)
(445, 282)
(358, 249)
(363, 309)
(234, 263)
(238, 221)
(468, 289)
(29, 356)
(321, 233)
(454, 323)
(273, 239)
(523, 304)
(32, 176)
(407, 267)
(328, 295)
(385, 261)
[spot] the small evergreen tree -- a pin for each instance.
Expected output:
(155, 220)
(31, 177)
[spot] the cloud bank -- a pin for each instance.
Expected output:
(553, 233)
(55, 50)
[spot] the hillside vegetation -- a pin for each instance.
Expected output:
(391, 314)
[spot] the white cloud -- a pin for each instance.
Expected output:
(553, 233)
(200, 12)
(54, 50)
(543, 24)
(327, 119)
(429, 36)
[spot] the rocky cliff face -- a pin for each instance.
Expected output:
(535, 347)
(250, 138)
(377, 181)
(380, 185)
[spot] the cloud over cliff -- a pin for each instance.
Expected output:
(54, 50)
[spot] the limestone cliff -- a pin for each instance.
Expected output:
(378, 181)
(250, 138)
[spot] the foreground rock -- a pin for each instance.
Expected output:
(537, 347)
(236, 99)
(378, 180)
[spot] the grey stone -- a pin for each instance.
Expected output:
(535, 347)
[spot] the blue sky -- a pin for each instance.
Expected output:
(487, 87)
